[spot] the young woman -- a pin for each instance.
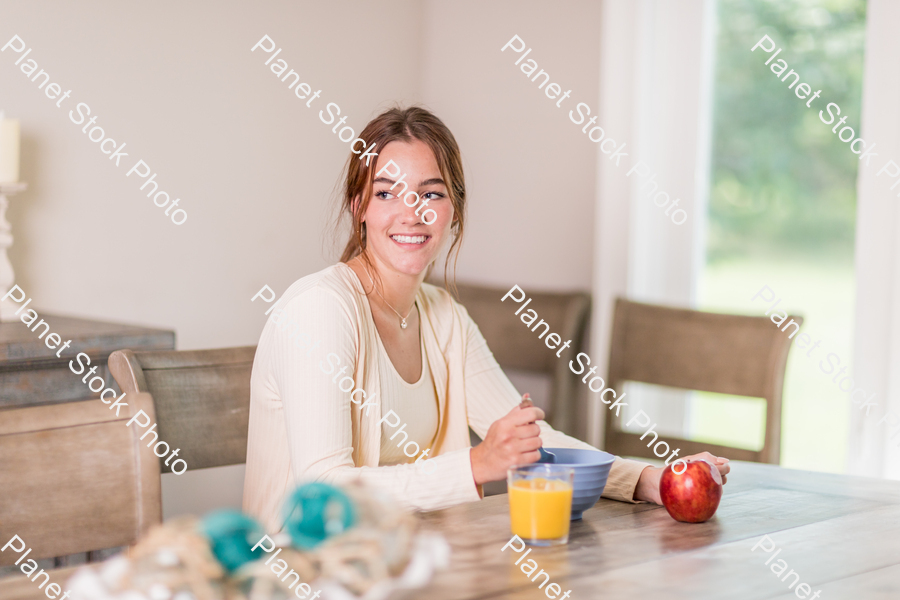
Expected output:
(364, 371)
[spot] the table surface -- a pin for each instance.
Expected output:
(841, 534)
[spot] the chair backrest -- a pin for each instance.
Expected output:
(693, 350)
(515, 346)
(202, 399)
(74, 478)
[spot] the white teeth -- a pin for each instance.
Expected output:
(409, 239)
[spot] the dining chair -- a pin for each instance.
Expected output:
(693, 350)
(515, 346)
(74, 478)
(202, 399)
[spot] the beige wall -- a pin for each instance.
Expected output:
(531, 173)
(252, 165)
(257, 170)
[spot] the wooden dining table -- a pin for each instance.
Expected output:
(840, 534)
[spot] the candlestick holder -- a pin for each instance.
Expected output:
(7, 275)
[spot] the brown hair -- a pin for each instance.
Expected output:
(404, 125)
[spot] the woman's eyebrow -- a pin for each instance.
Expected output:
(433, 181)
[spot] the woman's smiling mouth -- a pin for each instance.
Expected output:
(410, 240)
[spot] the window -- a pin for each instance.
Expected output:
(782, 213)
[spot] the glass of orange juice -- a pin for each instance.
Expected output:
(540, 503)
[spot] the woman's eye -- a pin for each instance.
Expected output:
(434, 195)
(383, 194)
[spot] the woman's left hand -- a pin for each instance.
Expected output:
(647, 488)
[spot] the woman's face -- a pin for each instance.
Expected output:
(396, 237)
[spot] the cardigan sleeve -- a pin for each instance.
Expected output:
(318, 414)
(490, 395)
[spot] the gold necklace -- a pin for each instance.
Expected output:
(402, 318)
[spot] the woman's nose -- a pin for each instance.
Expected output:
(409, 212)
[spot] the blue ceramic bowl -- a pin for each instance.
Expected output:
(591, 470)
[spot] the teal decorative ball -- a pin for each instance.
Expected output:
(231, 535)
(316, 511)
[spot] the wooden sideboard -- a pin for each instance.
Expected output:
(31, 373)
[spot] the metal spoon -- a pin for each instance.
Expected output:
(546, 457)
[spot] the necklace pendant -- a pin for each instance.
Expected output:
(402, 323)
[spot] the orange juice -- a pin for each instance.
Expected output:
(540, 508)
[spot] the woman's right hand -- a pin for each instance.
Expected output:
(511, 440)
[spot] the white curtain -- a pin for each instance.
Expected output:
(877, 341)
(655, 82)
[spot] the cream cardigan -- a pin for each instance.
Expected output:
(303, 427)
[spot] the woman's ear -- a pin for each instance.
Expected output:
(354, 207)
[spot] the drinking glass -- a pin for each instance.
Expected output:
(540, 503)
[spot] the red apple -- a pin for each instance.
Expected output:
(693, 495)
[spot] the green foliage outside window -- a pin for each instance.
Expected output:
(781, 180)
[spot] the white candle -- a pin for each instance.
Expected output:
(9, 150)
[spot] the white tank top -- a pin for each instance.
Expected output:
(415, 403)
